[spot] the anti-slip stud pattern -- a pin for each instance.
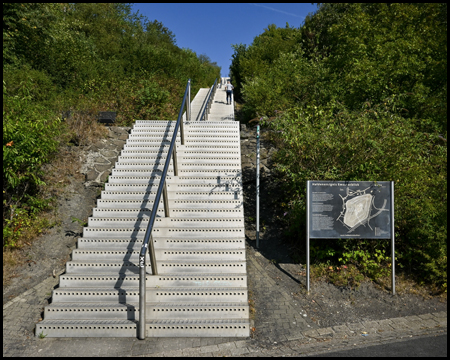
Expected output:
(201, 289)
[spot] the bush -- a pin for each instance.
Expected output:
(29, 140)
(332, 143)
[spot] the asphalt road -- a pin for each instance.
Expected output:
(418, 347)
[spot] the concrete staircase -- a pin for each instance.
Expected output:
(201, 289)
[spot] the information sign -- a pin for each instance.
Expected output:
(349, 209)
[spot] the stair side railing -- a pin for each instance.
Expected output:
(162, 189)
(207, 107)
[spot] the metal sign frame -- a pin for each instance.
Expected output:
(354, 214)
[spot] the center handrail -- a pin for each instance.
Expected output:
(208, 105)
(148, 239)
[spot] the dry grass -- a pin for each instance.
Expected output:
(13, 257)
(83, 127)
(351, 276)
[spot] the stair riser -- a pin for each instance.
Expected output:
(161, 255)
(76, 330)
(160, 295)
(131, 312)
(175, 213)
(195, 154)
(161, 243)
(183, 161)
(123, 222)
(139, 233)
(163, 133)
(153, 281)
(151, 331)
(164, 268)
(192, 167)
(175, 204)
(182, 172)
(206, 182)
(179, 195)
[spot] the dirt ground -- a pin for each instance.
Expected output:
(327, 305)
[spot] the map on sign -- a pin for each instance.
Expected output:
(349, 209)
(358, 208)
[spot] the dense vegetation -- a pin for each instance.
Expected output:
(359, 92)
(81, 58)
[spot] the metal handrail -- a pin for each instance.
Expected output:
(208, 105)
(148, 239)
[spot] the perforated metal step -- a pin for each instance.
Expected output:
(201, 289)
(155, 311)
(165, 267)
(154, 281)
(161, 242)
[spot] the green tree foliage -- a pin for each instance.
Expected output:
(94, 56)
(359, 92)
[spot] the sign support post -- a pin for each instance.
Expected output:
(307, 233)
(257, 186)
(392, 238)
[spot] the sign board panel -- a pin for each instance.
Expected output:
(349, 209)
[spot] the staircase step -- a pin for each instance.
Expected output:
(182, 180)
(160, 281)
(198, 141)
(175, 233)
(161, 255)
(179, 204)
(175, 187)
(156, 328)
(175, 213)
(164, 267)
(129, 295)
(198, 328)
(180, 195)
(157, 151)
(182, 160)
(87, 328)
(166, 222)
(163, 243)
(155, 311)
(164, 147)
(183, 172)
(190, 167)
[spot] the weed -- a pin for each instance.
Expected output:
(81, 222)
(42, 335)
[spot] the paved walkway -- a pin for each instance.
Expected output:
(220, 111)
(281, 329)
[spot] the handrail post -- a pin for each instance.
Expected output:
(188, 113)
(166, 200)
(142, 300)
(175, 162)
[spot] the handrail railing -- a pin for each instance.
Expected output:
(162, 188)
(208, 104)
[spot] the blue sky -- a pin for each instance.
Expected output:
(211, 29)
